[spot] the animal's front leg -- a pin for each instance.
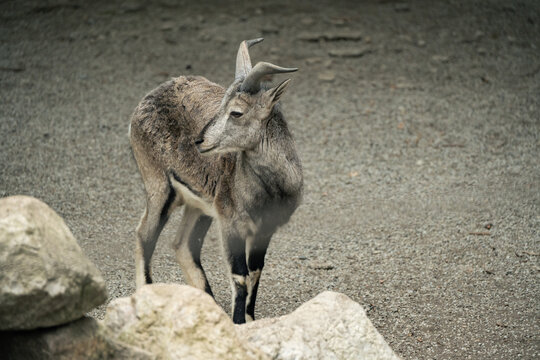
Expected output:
(255, 250)
(235, 252)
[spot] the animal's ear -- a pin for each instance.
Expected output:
(272, 96)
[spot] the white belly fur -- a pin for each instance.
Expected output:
(193, 200)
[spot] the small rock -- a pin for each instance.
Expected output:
(327, 76)
(330, 36)
(419, 162)
(205, 36)
(171, 40)
(440, 58)
(420, 43)
(338, 21)
(222, 40)
(350, 52)
(481, 51)
(314, 60)
(402, 7)
(478, 34)
(270, 30)
(320, 265)
(132, 6)
(167, 26)
(307, 21)
(406, 38)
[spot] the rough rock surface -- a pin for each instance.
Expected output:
(176, 322)
(81, 339)
(330, 326)
(45, 279)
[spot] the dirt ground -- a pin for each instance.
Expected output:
(417, 123)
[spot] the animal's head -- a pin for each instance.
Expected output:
(245, 108)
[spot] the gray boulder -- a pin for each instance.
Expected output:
(330, 326)
(45, 279)
(174, 321)
(81, 339)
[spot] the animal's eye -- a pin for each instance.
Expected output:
(236, 114)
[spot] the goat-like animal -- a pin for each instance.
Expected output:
(223, 154)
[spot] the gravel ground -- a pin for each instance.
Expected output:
(417, 123)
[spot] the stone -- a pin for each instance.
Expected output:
(440, 58)
(81, 339)
(330, 326)
(174, 321)
(321, 265)
(350, 52)
(331, 36)
(327, 76)
(402, 7)
(45, 279)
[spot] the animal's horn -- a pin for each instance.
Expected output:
(243, 62)
(252, 82)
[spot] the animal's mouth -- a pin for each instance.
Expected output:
(203, 150)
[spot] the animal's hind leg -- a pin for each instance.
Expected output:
(159, 205)
(188, 245)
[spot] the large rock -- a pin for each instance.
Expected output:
(81, 339)
(330, 326)
(45, 279)
(176, 322)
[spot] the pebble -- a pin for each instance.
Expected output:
(440, 58)
(478, 34)
(269, 30)
(320, 265)
(132, 6)
(327, 76)
(350, 52)
(313, 60)
(167, 26)
(307, 21)
(338, 21)
(330, 36)
(481, 51)
(402, 7)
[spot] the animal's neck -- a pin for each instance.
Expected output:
(275, 162)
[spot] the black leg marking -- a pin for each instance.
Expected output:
(239, 311)
(257, 252)
(237, 259)
(196, 239)
(147, 277)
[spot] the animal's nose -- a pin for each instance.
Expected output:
(199, 141)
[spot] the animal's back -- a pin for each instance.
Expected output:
(164, 127)
(168, 119)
